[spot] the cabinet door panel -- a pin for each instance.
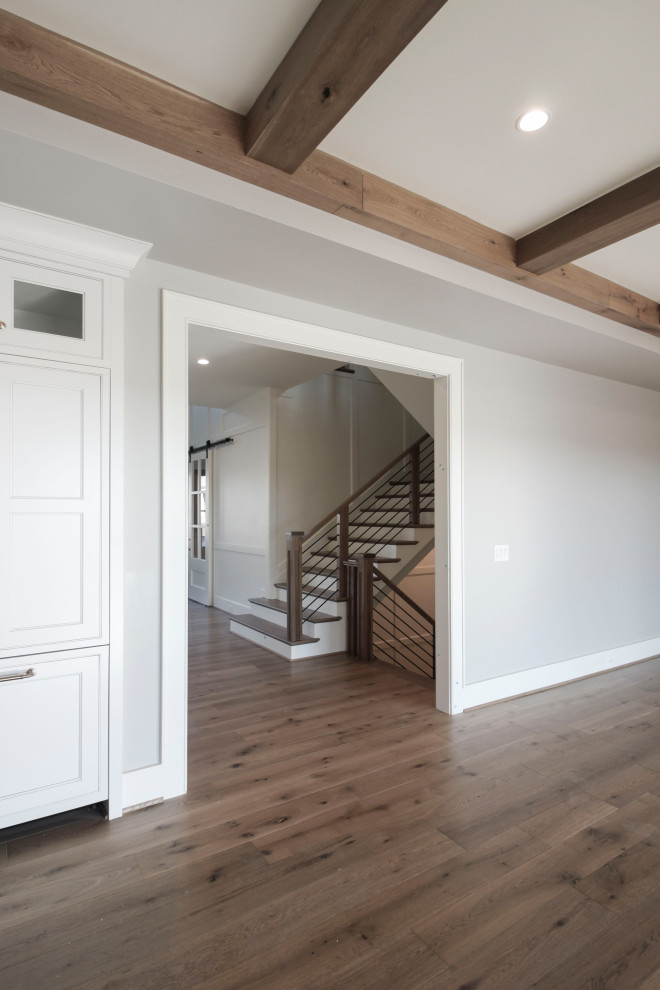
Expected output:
(47, 435)
(51, 484)
(47, 595)
(53, 734)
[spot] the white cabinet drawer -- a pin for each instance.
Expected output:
(53, 733)
(51, 313)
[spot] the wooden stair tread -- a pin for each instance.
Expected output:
(309, 614)
(406, 481)
(396, 525)
(388, 498)
(270, 629)
(377, 560)
(384, 543)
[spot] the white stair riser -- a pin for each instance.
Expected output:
(324, 581)
(407, 554)
(309, 601)
(380, 551)
(333, 640)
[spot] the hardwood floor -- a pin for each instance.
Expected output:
(341, 833)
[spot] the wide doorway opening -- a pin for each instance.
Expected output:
(240, 496)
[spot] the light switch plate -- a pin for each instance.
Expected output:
(501, 553)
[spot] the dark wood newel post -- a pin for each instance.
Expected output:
(294, 608)
(351, 608)
(342, 583)
(365, 592)
(414, 486)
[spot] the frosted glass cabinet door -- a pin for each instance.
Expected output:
(53, 734)
(50, 313)
(52, 546)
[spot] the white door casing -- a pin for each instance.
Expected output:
(181, 311)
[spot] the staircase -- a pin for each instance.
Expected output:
(391, 518)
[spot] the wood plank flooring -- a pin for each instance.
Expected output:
(341, 833)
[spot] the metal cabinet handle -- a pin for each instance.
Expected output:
(18, 677)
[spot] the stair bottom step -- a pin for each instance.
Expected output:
(270, 629)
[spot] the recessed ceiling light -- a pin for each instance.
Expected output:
(533, 120)
(202, 360)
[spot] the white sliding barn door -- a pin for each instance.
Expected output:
(51, 475)
(199, 530)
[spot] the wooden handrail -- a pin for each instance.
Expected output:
(402, 594)
(351, 498)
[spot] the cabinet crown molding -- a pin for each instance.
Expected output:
(27, 233)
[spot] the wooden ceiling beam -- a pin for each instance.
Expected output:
(344, 47)
(46, 68)
(411, 218)
(620, 213)
(61, 74)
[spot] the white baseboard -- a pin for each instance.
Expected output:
(142, 787)
(227, 605)
(526, 681)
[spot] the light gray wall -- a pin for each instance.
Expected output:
(565, 468)
(561, 465)
(416, 394)
(334, 433)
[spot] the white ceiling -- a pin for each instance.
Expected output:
(237, 369)
(223, 50)
(440, 120)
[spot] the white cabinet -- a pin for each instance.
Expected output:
(61, 478)
(53, 498)
(53, 733)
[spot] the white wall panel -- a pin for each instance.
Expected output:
(241, 495)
